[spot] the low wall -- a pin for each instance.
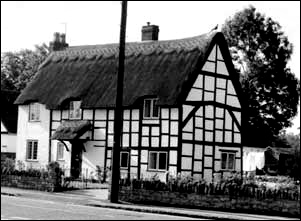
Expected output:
(218, 202)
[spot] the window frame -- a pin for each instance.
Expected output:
(71, 117)
(151, 108)
(158, 154)
(227, 161)
(34, 108)
(31, 157)
(127, 159)
(60, 145)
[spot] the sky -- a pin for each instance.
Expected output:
(27, 23)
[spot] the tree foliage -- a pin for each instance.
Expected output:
(19, 68)
(260, 52)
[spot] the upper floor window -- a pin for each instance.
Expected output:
(74, 110)
(34, 112)
(32, 150)
(150, 108)
(124, 160)
(228, 161)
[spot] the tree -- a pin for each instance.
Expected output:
(19, 68)
(260, 52)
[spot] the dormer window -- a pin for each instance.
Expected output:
(34, 112)
(150, 108)
(74, 110)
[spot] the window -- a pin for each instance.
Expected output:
(124, 159)
(32, 150)
(74, 110)
(60, 151)
(157, 161)
(151, 110)
(34, 112)
(228, 161)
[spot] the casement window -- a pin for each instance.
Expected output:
(60, 151)
(32, 150)
(228, 161)
(157, 161)
(124, 160)
(34, 112)
(150, 109)
(74, 110)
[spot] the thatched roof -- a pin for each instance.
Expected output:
(9, 111)
(89, 73)
(73, 129)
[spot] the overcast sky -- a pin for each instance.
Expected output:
(26, 23)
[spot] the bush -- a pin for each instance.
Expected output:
(8, 166)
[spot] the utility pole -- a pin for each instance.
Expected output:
(118, 110)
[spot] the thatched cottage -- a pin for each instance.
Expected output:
(181, 99)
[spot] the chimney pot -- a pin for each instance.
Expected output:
(150, 32)
(56, 37)
(63, 38)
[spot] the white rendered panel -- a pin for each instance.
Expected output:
(55, 125)
(233, 101)
(237, 116)
(208, 161)
(134, 140)
(219, 112)
(173, 157)
(219, 54)
(186, 110)
(209, 111)
(221, 68)
(195, 95)
(165, 113)
(111, 115)
(172, 170)
(144, 154)
(230, 89)
(220, 96)
(209, 124)
(219, 123)
(135, 114)
(187, 149)
(198, 135)
(135, 126)
(88, 114)
(237, 138)
(221, 83)
(109, 154)
(164, 140)
(209, 66)
(111, 127)
(228, 136)
(187, 136)
(186, 163)
(209, 83)
(199, 122)
(173, 141)
(101, 114)
(56, 115)
(208, 96)
(145, 131)
(237, 165)
(165, 126)
(208, 136)
(198, 150)
(199, 112)
(126, 114)
(228, 121)
(125, 140)
(217, 165)
(100, 124)
(208, 150)
(134, 160)
(155, 141)
(174, 113)
(212, 55)
(199, 82)
(145, 141)
(126, 126)
(100, 134)
(65, 114)
(197, 167)
(208, 175)
(110, 140)
(189, 126)
(155, 131)
(174, 128)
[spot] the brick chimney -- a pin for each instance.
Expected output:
(59, 42)
(150, 32)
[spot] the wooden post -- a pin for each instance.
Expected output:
(118, 110)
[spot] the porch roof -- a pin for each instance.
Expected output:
(71, 129)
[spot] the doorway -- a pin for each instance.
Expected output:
(76, 159)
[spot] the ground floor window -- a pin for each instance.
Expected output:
(32, 150)
(124, 159)
(60, 151)
(228, 161)
(157, 160)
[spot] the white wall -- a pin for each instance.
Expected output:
(8, 143)
(33, 131)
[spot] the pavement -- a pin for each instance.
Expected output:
(99, 198)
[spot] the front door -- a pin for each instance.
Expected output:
(76, 158)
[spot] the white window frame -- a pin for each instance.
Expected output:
(158, 154)
(34, 112)
(227, 161)
(61, 146)
(127, 159)
(30, 147)
(75, 114)
(151, 111)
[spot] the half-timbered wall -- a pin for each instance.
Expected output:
(211, 120)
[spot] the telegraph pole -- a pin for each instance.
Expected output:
(118, 110)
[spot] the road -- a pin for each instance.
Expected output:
(19, 208)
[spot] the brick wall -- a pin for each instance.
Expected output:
(220, 202)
